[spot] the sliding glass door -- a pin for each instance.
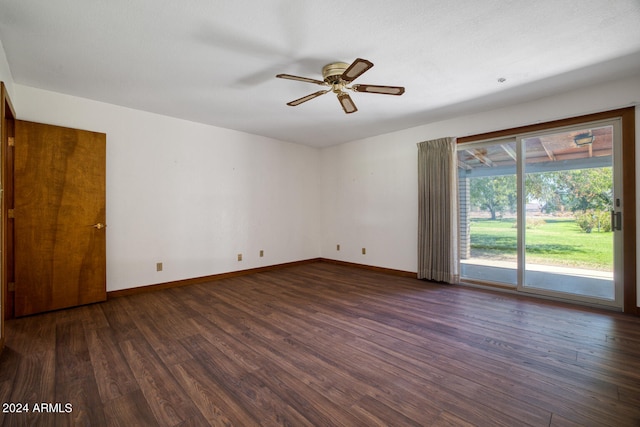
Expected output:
(540, 213)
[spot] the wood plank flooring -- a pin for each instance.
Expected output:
(323, 345)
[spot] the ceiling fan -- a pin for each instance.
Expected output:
(339, 76)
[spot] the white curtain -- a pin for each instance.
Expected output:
(438, 242)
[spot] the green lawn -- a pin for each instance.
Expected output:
(556, 242)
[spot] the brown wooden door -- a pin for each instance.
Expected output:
(60, 240)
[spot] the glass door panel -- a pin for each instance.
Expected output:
(488, 205)
(567, 213)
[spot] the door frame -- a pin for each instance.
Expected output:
(7, 130)
(627, 116)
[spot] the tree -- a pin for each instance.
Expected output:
(589, 189)
(494, 193)
(547, 189)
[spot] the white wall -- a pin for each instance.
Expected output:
(190, 195)
(369, 187)
(5, 72)
(370, 200)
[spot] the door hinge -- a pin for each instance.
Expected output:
(11, 213)
(12, 141)
(11, 286)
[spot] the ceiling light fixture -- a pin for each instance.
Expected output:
(582, 139)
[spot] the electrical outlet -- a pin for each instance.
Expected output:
(239, 257)
(261, 253)
(364, 251)
(337, 247)
(158, 266)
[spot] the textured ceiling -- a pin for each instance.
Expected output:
(214, 62)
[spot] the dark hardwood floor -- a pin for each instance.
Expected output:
(323, 345)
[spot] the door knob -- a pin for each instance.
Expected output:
(99, 226)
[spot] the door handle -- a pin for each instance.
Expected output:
(99, 226)
(616, 220)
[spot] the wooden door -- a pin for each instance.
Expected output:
(60, 239)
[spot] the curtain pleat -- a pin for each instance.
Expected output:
(438, 245)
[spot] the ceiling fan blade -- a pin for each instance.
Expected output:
(307, 98)
(347, 103)
(385, 90)
(301, 79)
(356, 69)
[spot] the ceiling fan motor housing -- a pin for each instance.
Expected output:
(332, 72)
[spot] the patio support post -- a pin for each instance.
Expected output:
(465, 211)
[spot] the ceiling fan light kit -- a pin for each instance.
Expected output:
(338, 76)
